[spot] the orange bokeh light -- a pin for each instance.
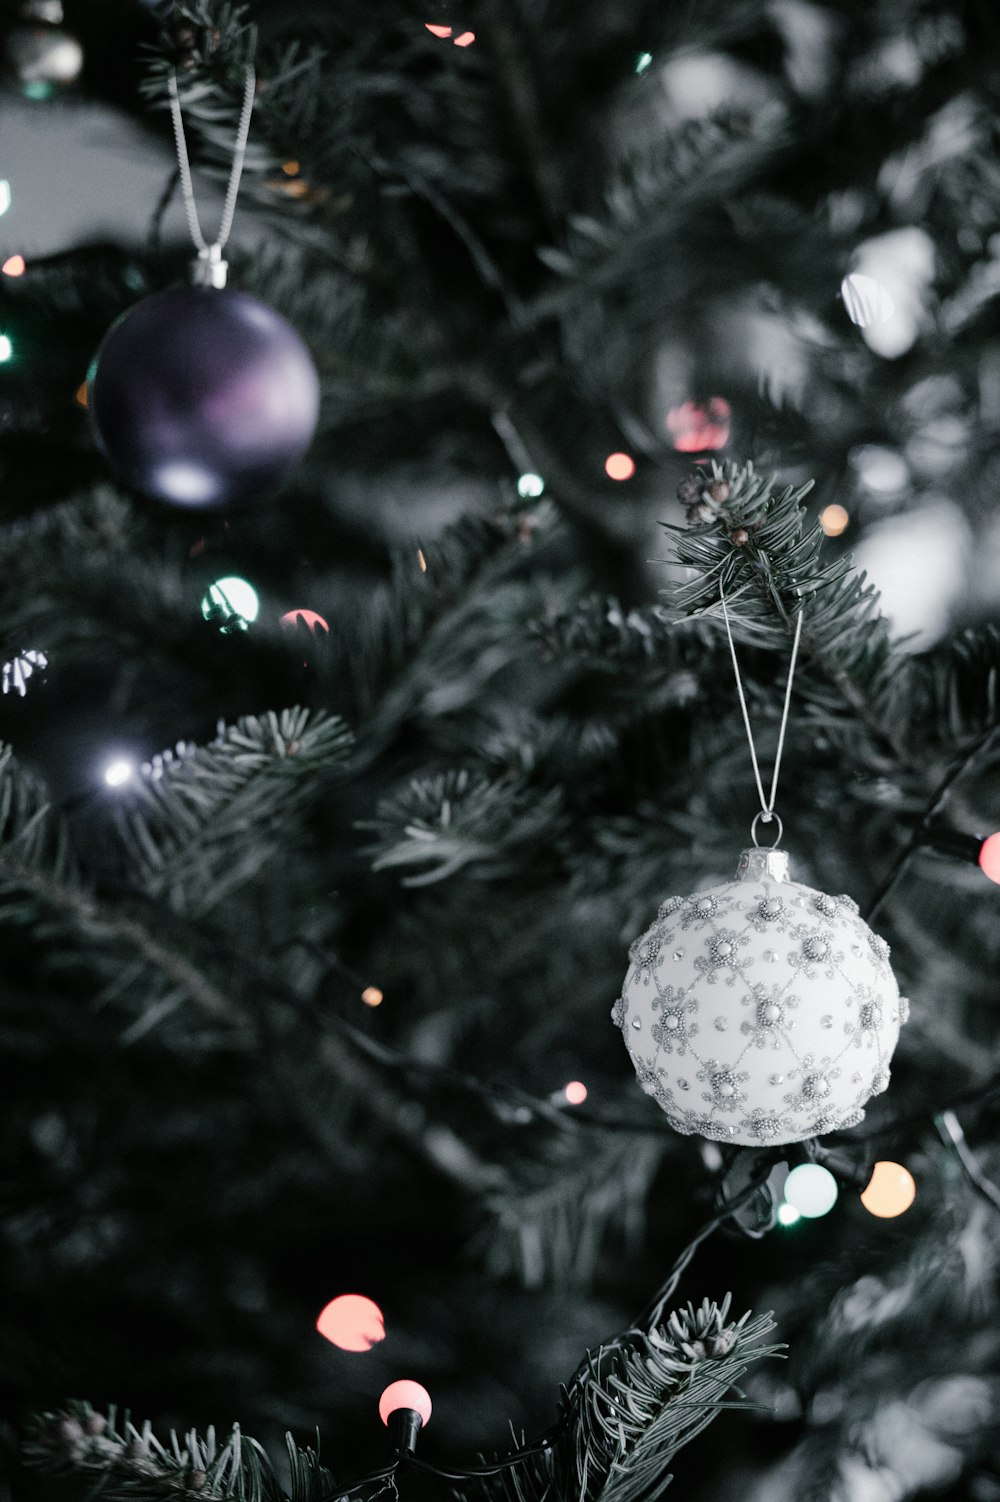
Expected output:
(619, 466)
(405, 1394)
(291, 168)
(989, 857)
(834, 520)
(352, 1322)
(81, 394)
(308, 618)
(13, 266)
(576, 1092)
(372, 996)
(889, 1191)
(438, 31)
(466, 39)
(695, 427)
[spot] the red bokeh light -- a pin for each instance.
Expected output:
(697, 427)
(576, 1092)
(466, 39)
(619, 466)
(13, 266)
(989, 857)
(405, 1394)
(352, 1322)
(438, 31)
(308, 617)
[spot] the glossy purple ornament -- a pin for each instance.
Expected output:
(203, 397)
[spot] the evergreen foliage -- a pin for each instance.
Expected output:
(291, 1012)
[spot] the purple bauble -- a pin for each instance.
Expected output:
(203, 397)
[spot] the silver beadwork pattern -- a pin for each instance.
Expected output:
(780, 1003)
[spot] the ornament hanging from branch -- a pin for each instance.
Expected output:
(201, 396)
(760, 1010)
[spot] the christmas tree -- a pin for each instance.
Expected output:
(341, 780)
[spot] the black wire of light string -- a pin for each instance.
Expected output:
(546, 1443)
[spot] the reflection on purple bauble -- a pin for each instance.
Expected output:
(203, 397)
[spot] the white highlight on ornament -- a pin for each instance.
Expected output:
(866, 300)
(4, 195)
(811, 1189)
(235, 596)
(811, 1005)
(186, 482)
(118, 772)
(20, 668)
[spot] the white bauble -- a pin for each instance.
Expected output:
(760, 1011)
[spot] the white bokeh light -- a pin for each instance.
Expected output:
(901, 264)
(235, 596)
(920, 562)
(119, 771)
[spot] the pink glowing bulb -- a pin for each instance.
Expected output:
(619, 466)
(405, 1394)
(308, 617)
(989, 857)
(438, 31)
(352, 1322)
(576, 1092)
(466, 39)
(696, 428)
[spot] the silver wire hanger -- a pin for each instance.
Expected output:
(767, 814)
(210, 270)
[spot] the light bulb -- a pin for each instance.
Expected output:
(118, 772)
(811, 1189)
(352, 1322)
(231, 596)
(6, 349)
(889, 1191)
(530, 485)
(788, 1215)
(989, 857)
(13, 266)
(619, 466)
(308, 618)
(405, 1394)
(372, 996)
(643, 61)
(575, 1092)
(834, 520)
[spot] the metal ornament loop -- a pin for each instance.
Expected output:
(767, 819)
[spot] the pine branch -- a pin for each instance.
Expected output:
(129, 1464)
(754, 545)
(552, 1221)
(649, 200)
(208, 819)
(627, 1412)
(41, 890)
(646, 1398)
(458, 819)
